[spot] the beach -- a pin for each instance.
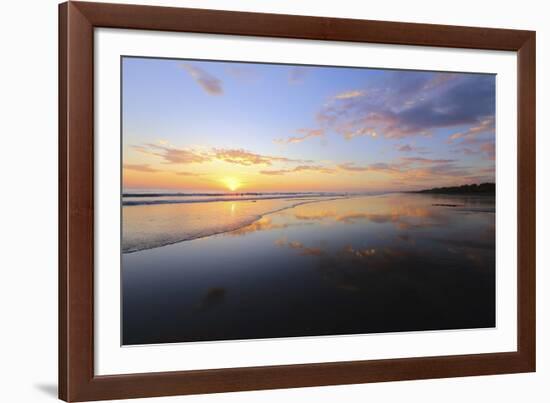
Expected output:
(306, 265)
(153, 221)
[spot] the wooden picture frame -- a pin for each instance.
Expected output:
(77, 381)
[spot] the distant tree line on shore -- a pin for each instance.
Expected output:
(482, 188)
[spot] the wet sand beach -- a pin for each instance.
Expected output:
(369, 264)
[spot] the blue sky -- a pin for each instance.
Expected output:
(191, 125)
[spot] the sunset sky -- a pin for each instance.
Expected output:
(224, 126)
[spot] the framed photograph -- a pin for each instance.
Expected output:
(256, 201)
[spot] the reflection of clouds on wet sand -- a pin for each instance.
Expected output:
(378, 210)
(300, 247)
(315, 216)
(263, 224)
(403, 218)
(406, 235)
(418, 227)
(477, 251)
(318, 251)
(361, 269)
(361, 253)
(357, 265)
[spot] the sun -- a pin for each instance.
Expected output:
(232, 183)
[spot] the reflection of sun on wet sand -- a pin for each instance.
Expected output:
(349, 210)
(153, 225)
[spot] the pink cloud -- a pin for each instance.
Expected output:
(208, 83)
(307, 134)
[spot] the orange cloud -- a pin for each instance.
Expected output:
(140, 168)
(377, 167)
(350, 94)
(361, 132)
(486, 125)
(185, 173)
(243, 157)
(173, 155)
(299, 168)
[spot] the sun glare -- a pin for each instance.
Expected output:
(232, 184)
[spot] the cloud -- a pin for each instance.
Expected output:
(361, 132)
(485, 126)
(418, 168)
(415, 170)
(420, 160)
(276, 172)
(478, 139)
(447, 169)
(307, 134)
(412, 104)
(243, 157)
(489, 149)
(140, 168)
(487, 171)
(172, 155)
(485, 147)
(407, 148)
(209, 83)
(465, 151)
(350, 94)
(185, 173)
(351, 167)
(300, 168)
(411, 171)
(376, 167)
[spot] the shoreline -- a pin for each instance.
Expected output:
(422, 192)
(130, 203)
(239, 226)
(258, 217)
(486, 188)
